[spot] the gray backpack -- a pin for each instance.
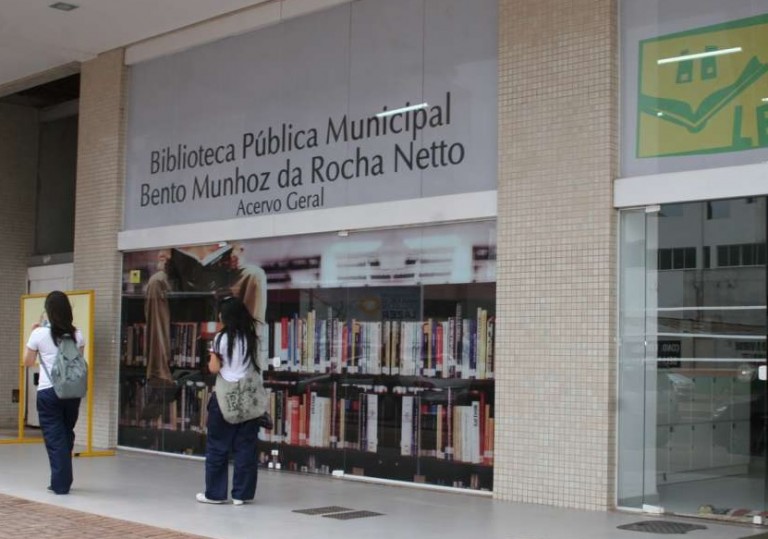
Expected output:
(69, 372)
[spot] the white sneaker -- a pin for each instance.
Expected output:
(200, 497)
(240, 502)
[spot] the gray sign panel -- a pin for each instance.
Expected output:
(284, 119)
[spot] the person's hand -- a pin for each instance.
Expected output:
(234, 257)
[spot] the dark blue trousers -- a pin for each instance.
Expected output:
(224, 439)
(57, 419)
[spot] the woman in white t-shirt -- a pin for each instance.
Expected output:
(57, 416)
(234, 352)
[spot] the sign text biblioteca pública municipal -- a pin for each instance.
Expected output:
(270, 186)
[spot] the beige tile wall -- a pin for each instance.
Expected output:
(555, 393)
(98, 217)
(18, 169)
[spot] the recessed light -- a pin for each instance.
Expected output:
(385, 113)
(63, 6)
(697, 55)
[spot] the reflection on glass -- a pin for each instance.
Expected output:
(704, 337)
(378, 349)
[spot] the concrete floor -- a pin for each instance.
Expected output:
(159, 491)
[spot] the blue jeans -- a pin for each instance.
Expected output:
(57, 419)
(225, 438)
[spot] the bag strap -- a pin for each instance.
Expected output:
(47, 372)
(42, 361)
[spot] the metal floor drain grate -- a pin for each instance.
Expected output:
(661, 526)
(322, 510)
(353, 514)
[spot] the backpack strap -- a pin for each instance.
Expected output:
(42, 361)
(47, 372)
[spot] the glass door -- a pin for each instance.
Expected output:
(692, 360)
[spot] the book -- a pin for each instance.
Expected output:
(210, 273)
(292, 420)
(371, 422)
(428, 427)
(406, 426)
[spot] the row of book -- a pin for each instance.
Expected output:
(462, 433)
(146, 407)
(453, 348)
(459, 432)
(361, 420)
(184, 341)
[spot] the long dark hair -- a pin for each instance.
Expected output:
(238, 323)
(59, 312)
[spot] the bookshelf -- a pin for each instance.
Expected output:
(411, 428)
(393, 382)
(170, 418)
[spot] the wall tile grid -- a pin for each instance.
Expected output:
(18, 165)
(98, 217)
(555, 393)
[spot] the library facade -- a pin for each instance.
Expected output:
(475, 235)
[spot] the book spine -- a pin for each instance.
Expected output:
(440, 346)
(284, 342)
(372, 422)
(491, 345)
(475, 437)
(314, 420)
(406, 426)
(341, 443)
(482, 340)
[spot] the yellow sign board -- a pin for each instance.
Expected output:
(135, 277)
(33, 312)
(704, 90)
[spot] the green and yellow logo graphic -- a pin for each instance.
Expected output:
(704, 90)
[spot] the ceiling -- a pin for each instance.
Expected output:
(36, 38)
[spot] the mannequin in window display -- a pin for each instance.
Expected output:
(207, 268)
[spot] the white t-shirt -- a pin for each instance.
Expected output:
(237, 368)
(41, 341)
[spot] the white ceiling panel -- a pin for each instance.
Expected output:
(35, 37)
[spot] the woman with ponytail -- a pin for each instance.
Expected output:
(57, 416)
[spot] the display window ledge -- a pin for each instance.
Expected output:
(421, 211)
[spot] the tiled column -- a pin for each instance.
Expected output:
(555, 395)
(98, 218)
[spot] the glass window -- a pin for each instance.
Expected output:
(690, 258)
(378, 348)
(718, 209)
(57, 170)
(692, 401)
